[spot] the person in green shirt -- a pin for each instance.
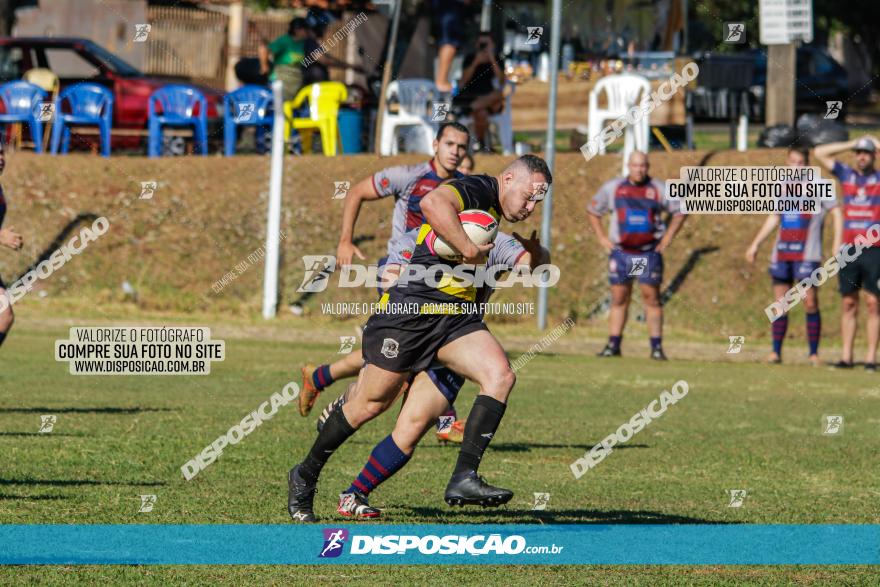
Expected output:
(287, 52)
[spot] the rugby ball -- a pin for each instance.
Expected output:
(480, 226)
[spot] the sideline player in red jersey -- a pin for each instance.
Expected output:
(635, 243)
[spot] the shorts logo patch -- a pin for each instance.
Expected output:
(390, 348)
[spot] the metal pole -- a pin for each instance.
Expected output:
(386, 76)
(550, 149)
(273, 221)
(486, 16)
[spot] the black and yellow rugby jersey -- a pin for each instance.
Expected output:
(475, 192)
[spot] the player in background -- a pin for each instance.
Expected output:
(408, 184)
(467, 166)
(635, 243)
(398, 344)
(428, 398)
(797, 252)
(860, 186)
(11, 240)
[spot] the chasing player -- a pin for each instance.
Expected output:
(861, 209)
(11, 240)
(428, 398)
(397, 344)
(635, 243)
(797, 252)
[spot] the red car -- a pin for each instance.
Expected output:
(76, 60)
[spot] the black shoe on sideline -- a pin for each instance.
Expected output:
(609, 351)
(658, 354)
(842, 365)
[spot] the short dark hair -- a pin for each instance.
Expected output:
(535, 164)
(454, 125)
(297, 23)
(804, 151)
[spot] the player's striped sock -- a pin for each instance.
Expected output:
(335, 431)
(322, 378)
(779, 328)
(614, 341)
(656, 342)
(385, 460)
(481, 425)
(814, 331)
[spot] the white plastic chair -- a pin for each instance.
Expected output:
(623, 92)
(414, 98)
(503, 121)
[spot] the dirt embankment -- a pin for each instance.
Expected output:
(207, 218)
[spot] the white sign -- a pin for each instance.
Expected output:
(786, 21)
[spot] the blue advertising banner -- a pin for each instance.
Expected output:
(441, 544)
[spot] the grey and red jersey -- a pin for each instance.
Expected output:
(637, 212)
(506, 252)
(799, 237)
(408, 184)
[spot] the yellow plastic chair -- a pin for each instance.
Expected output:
(324, 101)
(48, 81)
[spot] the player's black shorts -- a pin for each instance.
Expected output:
(863, 272)
(408, 342)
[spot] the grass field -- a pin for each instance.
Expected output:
(742, 426)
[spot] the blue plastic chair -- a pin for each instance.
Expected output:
(247, 106)
(22, 100)
(89, 104)
(178, 104)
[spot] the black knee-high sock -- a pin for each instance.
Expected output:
(2, 337)
(335, 431)
(481, 425)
